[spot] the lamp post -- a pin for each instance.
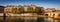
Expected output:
(4, 17)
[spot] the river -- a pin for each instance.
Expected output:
(27, 19)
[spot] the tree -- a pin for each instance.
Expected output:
(21, 10)
(14, 10)
(30, 10)
(38, 10)
(17, 10)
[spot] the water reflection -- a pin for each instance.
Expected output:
(40, 19)
(1, 19)
(49, 19)
(4, 19)
(57, 21)
(27, 19)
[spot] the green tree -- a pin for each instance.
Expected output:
(37, 10)
(17, 10)
(21, 10)
(14, 10)
(30, 10)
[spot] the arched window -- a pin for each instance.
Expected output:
(46, 14)
(53, 14)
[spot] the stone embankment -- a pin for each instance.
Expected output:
(25, 15)
(1, 14)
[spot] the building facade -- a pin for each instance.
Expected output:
(52, 13)
(2, 9)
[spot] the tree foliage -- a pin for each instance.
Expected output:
(14, 10)
(37, 9)
(17, 10)
(30, 9)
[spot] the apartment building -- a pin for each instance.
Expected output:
(2, 9)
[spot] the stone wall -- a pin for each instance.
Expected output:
(1, 14)
(23, 14)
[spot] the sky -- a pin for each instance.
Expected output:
(42, 3)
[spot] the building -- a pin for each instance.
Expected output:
(50, 9)
(52, 13)
(2, 9)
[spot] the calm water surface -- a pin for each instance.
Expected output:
(27, 19)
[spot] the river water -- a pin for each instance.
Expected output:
(27, 19)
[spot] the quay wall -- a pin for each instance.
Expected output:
(1, 14)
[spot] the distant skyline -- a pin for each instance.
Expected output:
(43, 3)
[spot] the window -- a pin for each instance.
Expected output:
(53, 14)
(46, 14)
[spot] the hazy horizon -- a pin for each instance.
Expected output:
(43, 3)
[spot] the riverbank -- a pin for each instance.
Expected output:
(25, 15)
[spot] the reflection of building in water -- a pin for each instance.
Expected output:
(40, 19)
(49, 19)
(56, 20)
(21, 19)
(52, 13)
(30, 19)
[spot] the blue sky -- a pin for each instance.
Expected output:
(43, 3)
